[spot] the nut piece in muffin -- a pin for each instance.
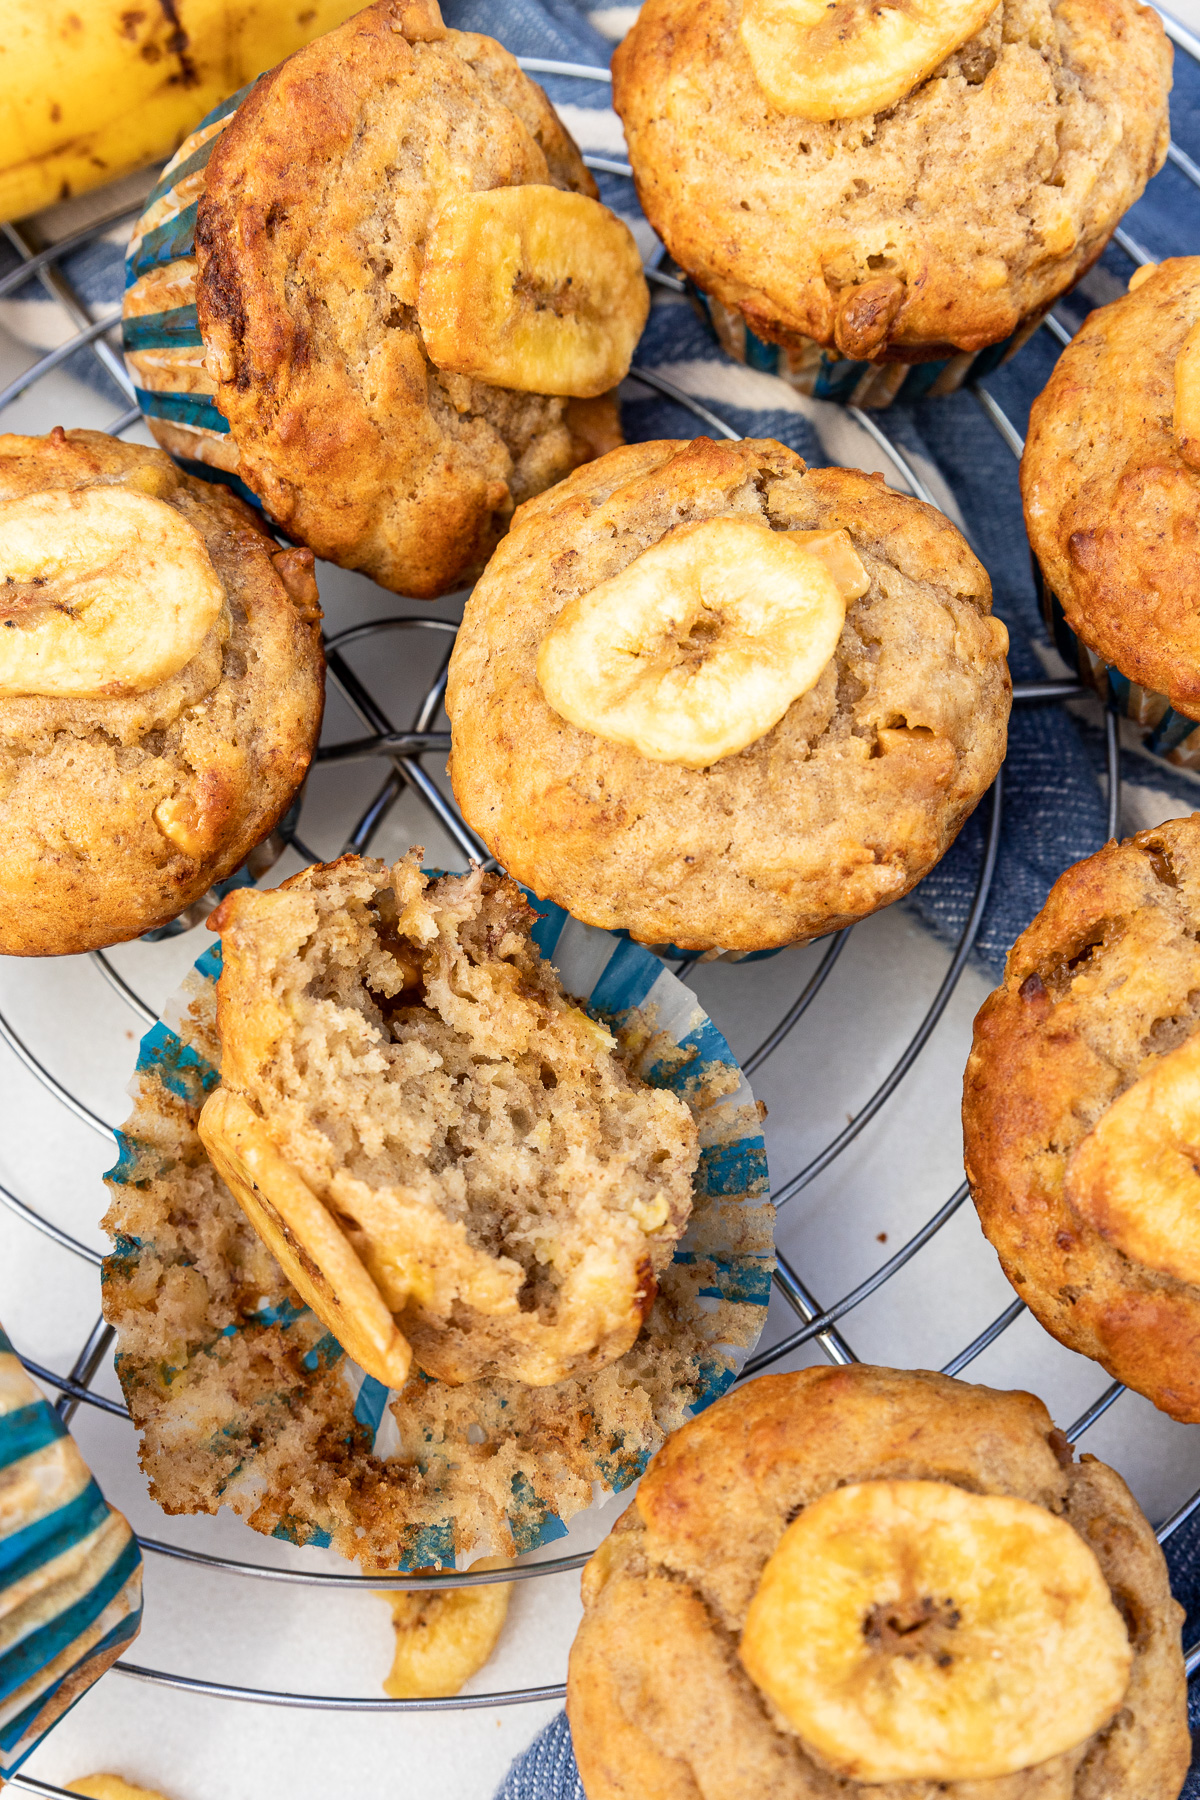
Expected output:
(1110, 479)
(863, 1580)
(896, 184)
(719, 700)
(161, 687)
(448, 1157)
(1081, 1113)
(404, 275)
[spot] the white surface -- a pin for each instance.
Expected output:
(838, 1230)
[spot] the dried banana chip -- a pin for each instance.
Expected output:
(700, 645)
(102, 591)
(911, 1631)
(303, 1237)
(1134, 1176)
(111, 1787)
(443, 1638)
(532, 288)
(841, 60)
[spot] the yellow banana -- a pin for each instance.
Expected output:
(93, 89)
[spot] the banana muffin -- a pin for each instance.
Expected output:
(879, 1582)
(161, 687)
(893, 184)
(1110, 479)
(719, 700)
(1081, 1114)
(242, 1398)
(411, 305)
(448, 1157)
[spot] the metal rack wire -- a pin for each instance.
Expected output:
(402, 750)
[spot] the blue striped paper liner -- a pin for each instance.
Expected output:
(36, 1660)
(172, 238)
(617, 979)
(829, 376)
(1168, 735)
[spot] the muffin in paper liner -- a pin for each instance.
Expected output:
(70, 1570)
(242, 1399)
(824, 375)
(1166, 732)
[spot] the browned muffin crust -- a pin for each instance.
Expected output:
(659, 1703)
(940, 224)
(836, 811)
(308, 237)
(1103, 983)
(1110, 503)
(82, 861)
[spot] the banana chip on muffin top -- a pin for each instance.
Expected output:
(1081, 1113)
(878, 1582)
(413, 306)
(449, 1159)
(161, 687)
(713, 698)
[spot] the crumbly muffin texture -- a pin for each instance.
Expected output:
(1110, 502)
(938, 225)
(512, 1189)
(836, 811)
(1102, 985)
(317, 203)
(659, 1702)
(83, 862)
(239, 1393)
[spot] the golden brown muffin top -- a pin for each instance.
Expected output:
(1099, 993)
(1111, 500)
(659, 1701)
(122, 807)
(836, 810)
(938, 224)
(317, 202)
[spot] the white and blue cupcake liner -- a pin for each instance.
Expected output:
(70, 1570)
(163, 347)
(824, 375)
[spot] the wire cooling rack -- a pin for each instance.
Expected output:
(402, 750)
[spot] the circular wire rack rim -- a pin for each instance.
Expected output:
(403, 750)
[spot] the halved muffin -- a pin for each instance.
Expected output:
(448, 1158)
